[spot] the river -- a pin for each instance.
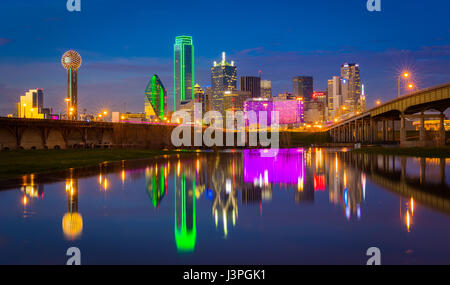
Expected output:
(301, 206)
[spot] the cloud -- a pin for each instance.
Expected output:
(4, 41)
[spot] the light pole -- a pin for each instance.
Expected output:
(404, 75)
(24, 111)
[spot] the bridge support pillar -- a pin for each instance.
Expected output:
(402, 130)
(364, 131)
(441, 129)
(422, 134)
(339, 134)
(383, 130)
(393, 130)
(349, 132)
(373, 131)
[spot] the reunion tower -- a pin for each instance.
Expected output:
(71, 61)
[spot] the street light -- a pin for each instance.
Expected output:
(404, 75)
(24, 110)
(378, 102)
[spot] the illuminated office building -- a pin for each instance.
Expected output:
(362, 100)
(252, 84)
(266, 89)
(155, 99)
(31, 105)
(290, 112)
(223, 79)
(335, 101)
(303, 86)
(184, 72)
(199, 95)
(316, 108)
(351, 80)
(208, 98)
(234, 100)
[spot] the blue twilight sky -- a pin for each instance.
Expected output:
(123, 43)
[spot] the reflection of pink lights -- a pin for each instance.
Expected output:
(286, 167)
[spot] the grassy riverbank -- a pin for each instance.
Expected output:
(431, 152)
(16, 163)
(308, 138)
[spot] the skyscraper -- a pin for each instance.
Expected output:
(71, 61)
(362, 100)
(184, 73)
(31, 105)
(155, 99)
(223, 79)
(330, 99)
(335, 91)
(350, 73)
(199, 95)
(303, 87)
(208, 98)
(266, 88)
(252, 84)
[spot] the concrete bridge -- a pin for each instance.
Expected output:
(60, 134)
(21, 133)
(365, 128)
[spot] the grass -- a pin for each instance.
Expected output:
(16, 163)
(430, 152)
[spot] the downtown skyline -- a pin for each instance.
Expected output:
(118, 65)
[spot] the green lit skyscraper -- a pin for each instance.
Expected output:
(155, 99)
(184, 77)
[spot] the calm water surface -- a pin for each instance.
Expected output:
(303, 206)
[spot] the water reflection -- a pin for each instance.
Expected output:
(213, 186)
(72, 222)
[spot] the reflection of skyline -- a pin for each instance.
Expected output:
(156, 184)
(185, 213)
(243, 179)
(72, 222)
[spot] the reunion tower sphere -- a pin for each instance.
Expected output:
(71, 60)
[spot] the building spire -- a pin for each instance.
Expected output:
(223, 58)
